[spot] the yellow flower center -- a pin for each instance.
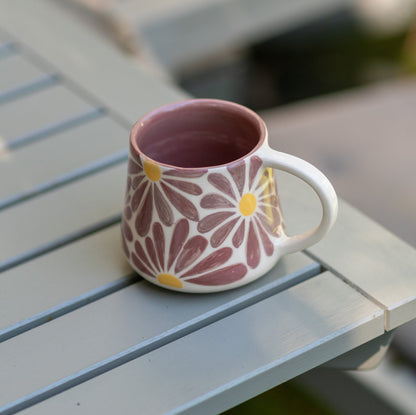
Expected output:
(152, 171)
(168, 279)
(248, 204)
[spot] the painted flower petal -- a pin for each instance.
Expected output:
(188, 173)
(137, 180)
(125, 247)
(187, 187)
(271, 213)
(222, 183)
(191, 251)
(138, 195)
(140, 266)
(128, 186)
(270, 222)
(219, 236)
(255, 164)
(238, 237)
(216, 259)
(163, 208)
(127, 231)
(180, 233)
(159, 239)
(268, 200)
(144, 216)
(238, 173)
(127, 212)
(182, 204)
(150, 248)
(133, 166)
(267, 177)
(215, 201)
(267, 244)
(267, 195)
(142, 255)
(211, 221)
(253, 247)
(221, 276)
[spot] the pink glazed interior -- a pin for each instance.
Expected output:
(198, 133)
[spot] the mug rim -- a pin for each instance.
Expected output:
(218, 103)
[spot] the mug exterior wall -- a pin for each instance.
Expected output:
(201, 230)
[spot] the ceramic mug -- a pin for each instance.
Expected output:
(202, 210)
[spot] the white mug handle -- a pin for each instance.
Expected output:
(319, 183)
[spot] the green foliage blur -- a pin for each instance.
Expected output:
(327, 55)
(288, 398)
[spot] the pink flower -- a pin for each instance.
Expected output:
(157, 190)
(247, 207)
(184, 260)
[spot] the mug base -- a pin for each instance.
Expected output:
(171, 283)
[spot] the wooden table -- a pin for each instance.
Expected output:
(81, 333)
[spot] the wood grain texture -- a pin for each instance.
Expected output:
(239, 356)
(137, 317)
(60, 154)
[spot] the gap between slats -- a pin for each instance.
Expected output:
(41, 63)
(349, 282)
(66, 307)
(64, 179)
(158, 341)
(54, 128)
(28, 88)
(72, 237)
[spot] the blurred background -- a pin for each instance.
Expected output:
(335, 82)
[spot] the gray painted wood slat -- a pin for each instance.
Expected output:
(19, 118)
(384, 266)
(371, 258)
(122, 326)
(51, 216)
(46, 284)
(87, 59)
(16, 71)
(63, 153)
(239, 356)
